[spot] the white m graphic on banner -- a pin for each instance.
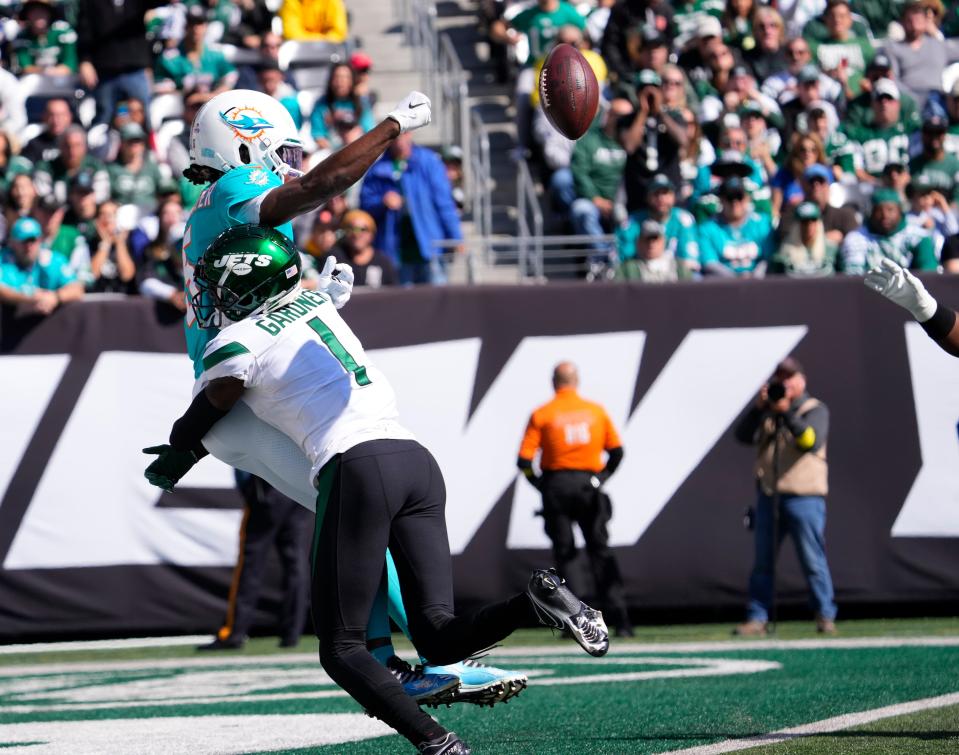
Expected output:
(93, 507)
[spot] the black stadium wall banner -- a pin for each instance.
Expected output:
(88, 547)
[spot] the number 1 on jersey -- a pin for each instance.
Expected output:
(339, 351)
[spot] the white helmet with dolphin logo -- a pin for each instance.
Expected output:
(244, 127)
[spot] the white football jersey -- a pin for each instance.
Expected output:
(306, 373)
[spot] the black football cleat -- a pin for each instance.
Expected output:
(448, 744)
(557, 607)
(230, 643)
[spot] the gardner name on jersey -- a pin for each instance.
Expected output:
(306, 373)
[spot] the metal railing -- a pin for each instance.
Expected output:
(444, 78)
(528, 209)
(536, 257)
(479, 180)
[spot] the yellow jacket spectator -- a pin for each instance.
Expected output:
(314, 20)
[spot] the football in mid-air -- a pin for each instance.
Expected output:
(568, 91)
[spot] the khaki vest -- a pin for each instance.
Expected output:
(800, 472)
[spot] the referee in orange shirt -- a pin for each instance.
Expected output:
(572, 434)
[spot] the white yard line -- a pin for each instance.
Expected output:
(826, 726)
(137, 642)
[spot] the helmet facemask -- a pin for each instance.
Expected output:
(232, 280)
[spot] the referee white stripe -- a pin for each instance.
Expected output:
(825, 726)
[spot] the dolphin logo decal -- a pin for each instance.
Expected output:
(244, 122)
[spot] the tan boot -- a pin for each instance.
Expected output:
(752, 628)
(825, 626)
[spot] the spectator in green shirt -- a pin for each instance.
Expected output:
(43, 46)
(52, 177)
(859, 109)
(885, 141)
(887, 234)
(540, 24)
(135, 178)
(193, 63)
(941, 168)
(597, 166)
(842, 52)
(32, 278)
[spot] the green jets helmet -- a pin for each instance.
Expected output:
(248, 269)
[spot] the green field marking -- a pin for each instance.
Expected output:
(646, 697)
(928, 732)
(663, 715)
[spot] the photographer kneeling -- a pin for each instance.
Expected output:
(790, 430)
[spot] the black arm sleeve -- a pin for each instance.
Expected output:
(188, 431)
(615, 457)
(940, 324)
(748, 427)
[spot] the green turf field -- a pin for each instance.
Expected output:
(671, 689)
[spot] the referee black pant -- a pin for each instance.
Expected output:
(570, 498)
(269, 519)
(390, 494)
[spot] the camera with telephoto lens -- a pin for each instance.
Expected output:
(776, 391)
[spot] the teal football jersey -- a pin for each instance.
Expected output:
(216, 210)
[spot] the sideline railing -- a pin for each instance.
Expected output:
(444, 78)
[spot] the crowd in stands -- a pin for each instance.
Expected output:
(745, 138)
(802, 137)
(96, 102)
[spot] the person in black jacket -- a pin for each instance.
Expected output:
(114, 53)
(630, 21)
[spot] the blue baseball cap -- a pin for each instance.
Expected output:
(25, 229)
(818, 170)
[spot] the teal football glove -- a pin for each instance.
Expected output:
(169, 466)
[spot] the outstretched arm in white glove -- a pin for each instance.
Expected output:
(336, 280)
(902, 287)
(412, 112)
(338, 172)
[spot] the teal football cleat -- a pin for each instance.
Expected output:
(425, 688)
(481, 684)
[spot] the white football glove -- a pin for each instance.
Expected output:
(412, 112)
(902, 287)
(338, 288)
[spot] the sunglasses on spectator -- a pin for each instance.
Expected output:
(768, 25)
(357, 228)
(672, 82)
(797, 52)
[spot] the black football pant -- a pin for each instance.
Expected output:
(390, 494)
(269, 519)
(569, 498)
